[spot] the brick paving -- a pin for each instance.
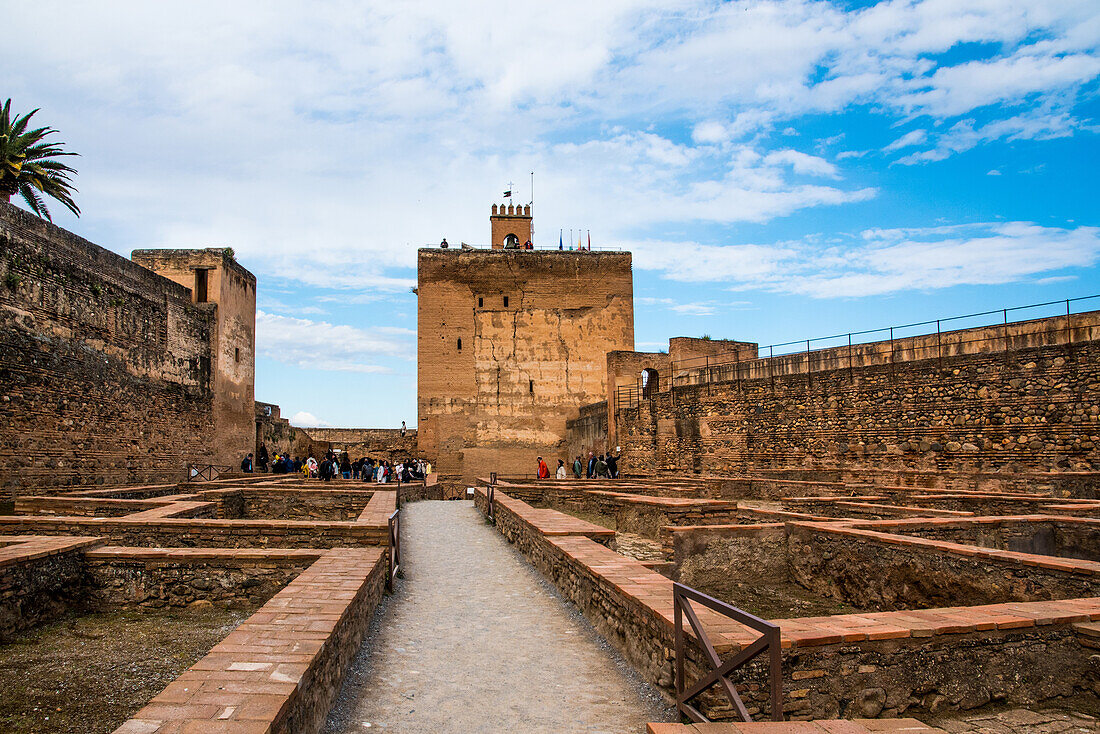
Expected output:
(475, 641)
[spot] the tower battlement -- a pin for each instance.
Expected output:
(512, 226)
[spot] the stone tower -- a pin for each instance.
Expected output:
(510, 344)
(512, 226)
(215, 278)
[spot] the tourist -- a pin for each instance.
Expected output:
(560, 474)
(578, 468)
(246, 464)
(601, 468)
(613, 464)
(444, 244)
(368, 469)
(403, 429)
(591, 465)
(311, 467)
(261, 458)
(345, 466)
(543, 469)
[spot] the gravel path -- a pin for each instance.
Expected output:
(475, 640)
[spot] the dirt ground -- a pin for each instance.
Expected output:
(87, 674)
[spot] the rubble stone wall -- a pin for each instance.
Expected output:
(105, 367)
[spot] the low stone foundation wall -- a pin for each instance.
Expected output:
(40, 579)
(289, 504)
(281, 669)
(1064, 537)
(176, 533)
(118, 577)
(870, 664)
(714, 558)
(884, 571)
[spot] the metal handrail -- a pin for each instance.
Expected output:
(394, 525)
(682, 597)
(733, 355)
(205, 472)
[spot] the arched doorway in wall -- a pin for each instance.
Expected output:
(651, 382)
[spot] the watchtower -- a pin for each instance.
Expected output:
(511, 226)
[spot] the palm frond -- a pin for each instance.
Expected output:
(29, 165)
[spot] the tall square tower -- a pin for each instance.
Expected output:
(510, 344)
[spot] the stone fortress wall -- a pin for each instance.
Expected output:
(511, 343)
(1023, 396)
(106, 368)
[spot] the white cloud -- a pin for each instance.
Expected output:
(966, 134)
(879, 262)
(913, 137)
(302, 419)
(809, 165)
(319, 345)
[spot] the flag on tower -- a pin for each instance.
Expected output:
(508, 194)
(590, 240)
(559, 241)
(580, 242)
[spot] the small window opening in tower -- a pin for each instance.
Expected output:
(200, 285)
(651, 382)
(237, 354)
(480, 302)
(531, 386)
(460, 344)
(506, 301)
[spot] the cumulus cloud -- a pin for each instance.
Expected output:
(881, 261)
(319, 345)
(302, 419)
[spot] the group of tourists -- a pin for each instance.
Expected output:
(604, 466)
(338, 464)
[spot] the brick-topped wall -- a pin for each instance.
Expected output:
(868, 664)
(1033, 408)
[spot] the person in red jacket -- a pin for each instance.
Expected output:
(544, 470)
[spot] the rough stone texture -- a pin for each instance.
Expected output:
(290, 504)
(716, 559)
(1032, 408)
(124, 578)
(868, 664)
(279, 671)
(586, 433)
(232, 290)
(1048, 536)
(105, 367)
(200, 533)
(524, 369)
(883, 571)
(40, 579)
(377, 443)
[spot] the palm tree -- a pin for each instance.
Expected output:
(28, 166)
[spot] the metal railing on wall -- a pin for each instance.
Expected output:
(394, 527)
(719, 671)
(205, 472)
(864, 348)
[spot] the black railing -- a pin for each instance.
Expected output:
(490, 493)
(719, 672)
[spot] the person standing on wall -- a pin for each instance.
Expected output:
(591, 465)
(543, 470)
(561, 469)
(246, 465)
(403, 429)
(578, 468)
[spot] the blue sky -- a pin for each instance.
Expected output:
(781, 170)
